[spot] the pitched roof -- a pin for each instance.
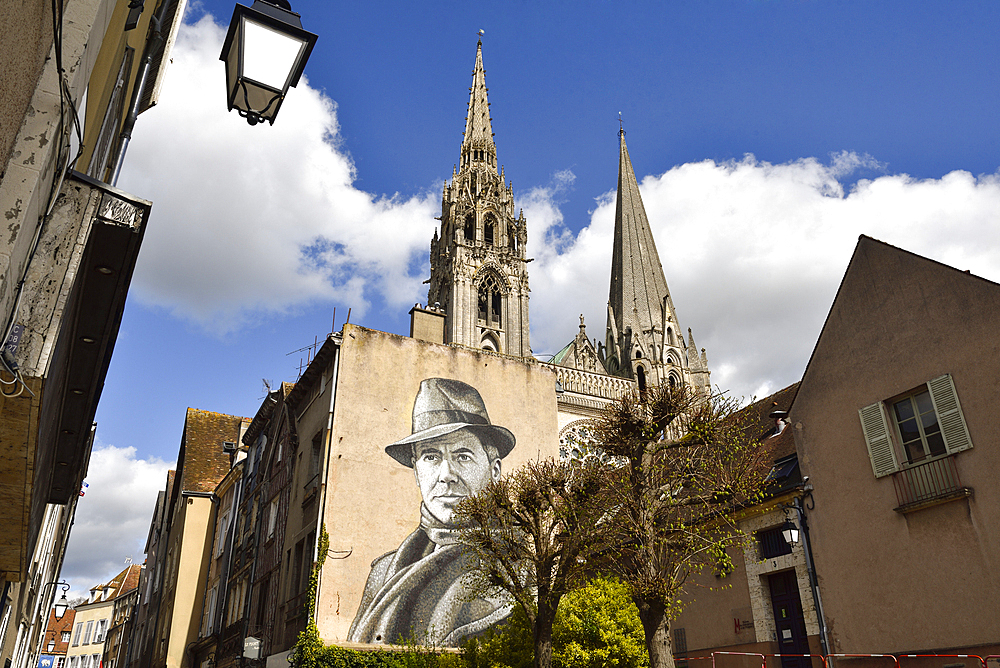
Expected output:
(203, 462)
(875, 270)
(122, 583)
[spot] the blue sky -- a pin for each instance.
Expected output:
(767, 136)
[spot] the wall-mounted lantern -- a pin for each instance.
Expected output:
(265, 51)
(790, 532)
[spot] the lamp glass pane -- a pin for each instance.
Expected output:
(269, 57)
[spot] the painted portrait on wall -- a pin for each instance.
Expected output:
(419, 590)
(417, 427)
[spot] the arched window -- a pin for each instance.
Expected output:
(490, 343)
(512, 237)
(670, 337)
(490, 300)
(641, 374)
(638, 354)
(488, 227)
(672, 379)
(470, 227)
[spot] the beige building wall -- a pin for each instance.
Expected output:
(896, 581)
(372, 502)
(193, 544)
(98, 616)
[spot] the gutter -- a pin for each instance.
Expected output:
(154, 42)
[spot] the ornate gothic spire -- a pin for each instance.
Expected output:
(478, 146)
(479, 271)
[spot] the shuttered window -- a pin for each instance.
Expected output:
(925, 423)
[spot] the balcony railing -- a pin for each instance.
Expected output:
(927, 484)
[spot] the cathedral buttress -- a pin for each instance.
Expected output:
(479, 273)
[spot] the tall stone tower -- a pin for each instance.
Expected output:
(644, 340)
(479, 275)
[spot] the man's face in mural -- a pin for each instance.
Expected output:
(450, 468)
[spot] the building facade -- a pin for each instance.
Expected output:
(899, 448)
(96, 617)
(66, 259)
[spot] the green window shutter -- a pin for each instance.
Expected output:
(949, 414)
(880, 449)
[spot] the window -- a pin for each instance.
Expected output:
(65, 636)
(488, 227)
(470, 227)
(87, 631)
(918, 425)
(220, 534)
(95, 660)
(272, 518)
(770, 543)
(61, 662)
(51, 646)
(76, 633)
(490, 300)
(102, 626)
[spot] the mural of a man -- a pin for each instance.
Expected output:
(419, 591)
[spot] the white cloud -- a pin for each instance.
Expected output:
(753, 253)
(249, 221)
(113, 518)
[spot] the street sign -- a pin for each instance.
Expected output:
(251, 648)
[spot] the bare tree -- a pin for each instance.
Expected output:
(684, 463)
(533, 531)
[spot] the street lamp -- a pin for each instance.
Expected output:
(265, 51)
(790, 532)
(59, 609)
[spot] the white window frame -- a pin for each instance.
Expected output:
(881, 432)
(272, 519)
(102, 626)
(77, 632)
(88, 631)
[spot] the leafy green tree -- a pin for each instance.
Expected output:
(598, 626)
(533, 531)
(684, 462)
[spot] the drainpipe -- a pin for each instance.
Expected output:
(824, 640)
(321, 497)
(154, 42)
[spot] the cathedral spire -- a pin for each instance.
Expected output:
(478, 267)
(644, 340)
(478, 146)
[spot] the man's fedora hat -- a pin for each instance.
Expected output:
(443, 406)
